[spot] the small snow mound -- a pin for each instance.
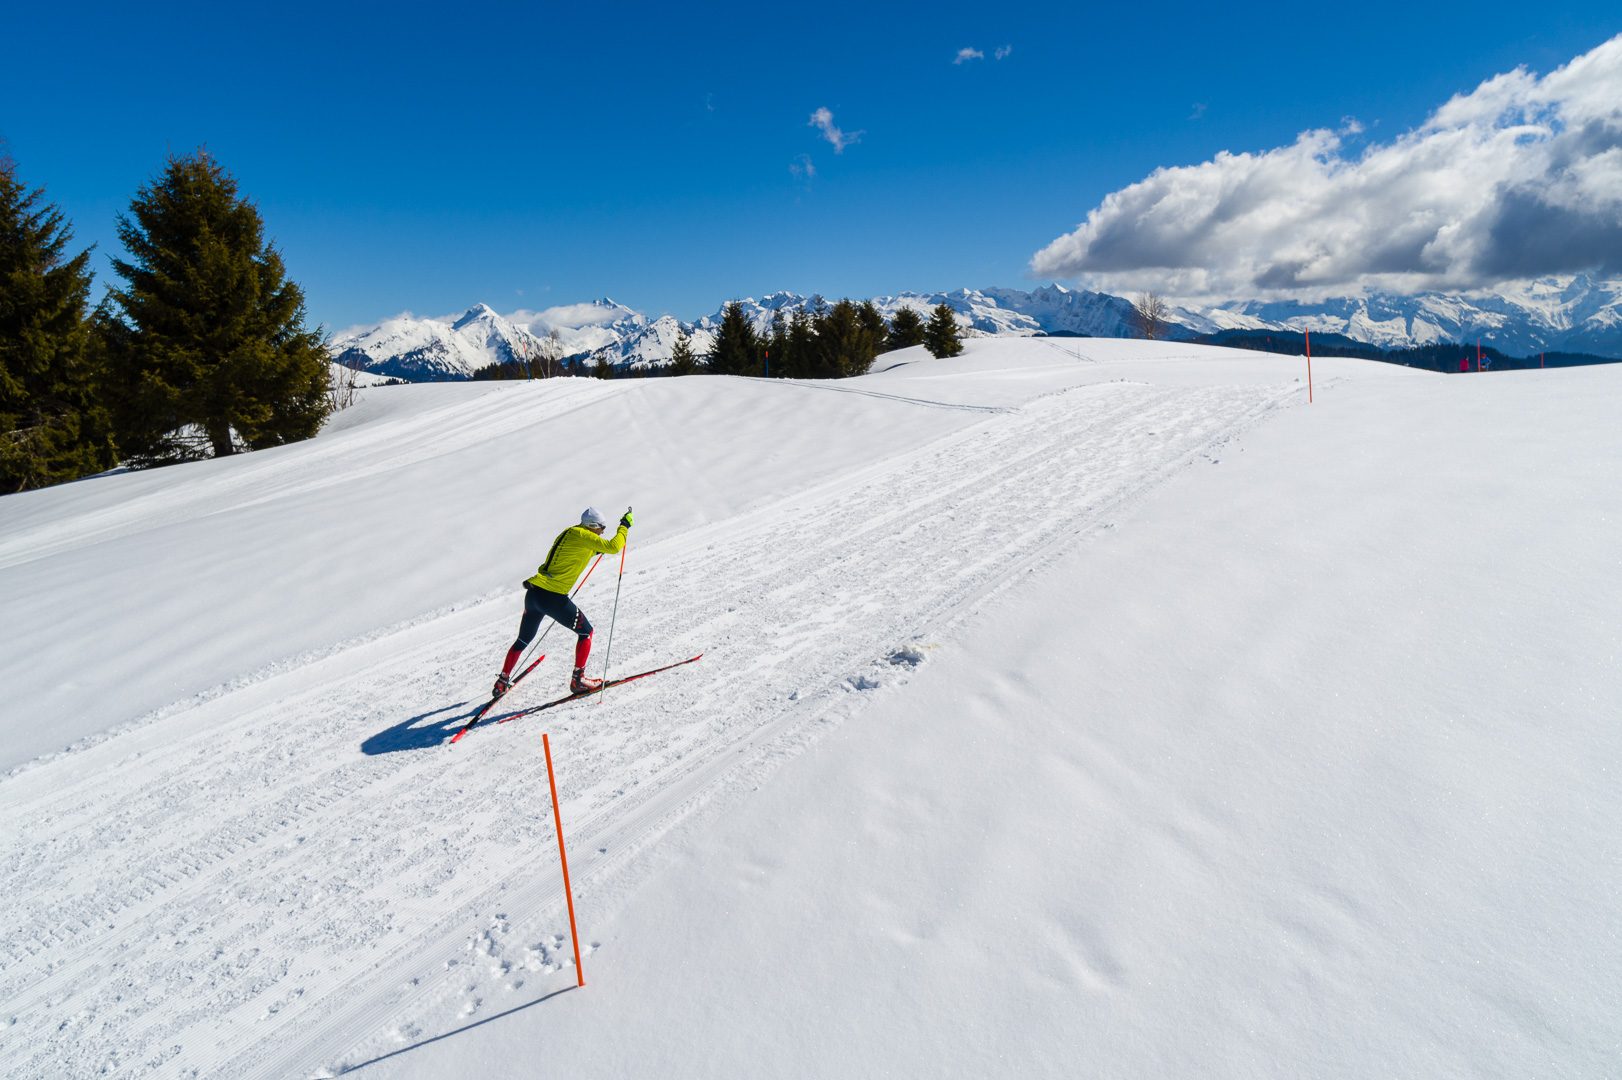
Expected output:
(863, 682)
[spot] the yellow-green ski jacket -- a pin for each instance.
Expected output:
(570, 553)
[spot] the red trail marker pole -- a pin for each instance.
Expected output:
(1308, 335)
(563, 857)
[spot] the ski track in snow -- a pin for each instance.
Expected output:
(322, 907)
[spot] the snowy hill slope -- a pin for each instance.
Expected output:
(1068, 707)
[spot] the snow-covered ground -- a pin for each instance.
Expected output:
(1068, 708)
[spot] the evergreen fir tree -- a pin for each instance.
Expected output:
(603, 368)
(208, 345)
(906, 329)
(878, 331)
(823, 363)
(941, 335)
(776, 346)
(847, 346)
(51, 429)
(737, 347)
(800, 351)
(682, 360)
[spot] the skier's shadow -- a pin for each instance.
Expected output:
(414, 734)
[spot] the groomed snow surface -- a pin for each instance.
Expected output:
(1069, 708)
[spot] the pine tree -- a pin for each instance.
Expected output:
(208, 344)
(682, 360)
(823, 363)
(906, 329)
(846, 344)
(800, 351)
(603, 368)
(776, 347)
(878, 331)
(737, 347)
(941, 335)
(51, 428)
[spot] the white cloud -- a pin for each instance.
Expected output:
(1198, 111)
(572, 315)
(803, 168)
(965, 55)
(1004, 52)
(823, 120)
(1518, 178)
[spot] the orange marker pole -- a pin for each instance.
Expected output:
(1308, 334)
(563, 857)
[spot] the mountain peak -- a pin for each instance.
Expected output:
(474, 314)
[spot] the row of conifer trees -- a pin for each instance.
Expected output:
(818, 341)
(200, 349)
(815, 341)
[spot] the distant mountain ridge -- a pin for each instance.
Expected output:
(1574, 314)
(454, 347)
(1571, 314)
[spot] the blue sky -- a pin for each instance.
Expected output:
(526, 155)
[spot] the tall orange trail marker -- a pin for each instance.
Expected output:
(563, 857)
(1308, 335)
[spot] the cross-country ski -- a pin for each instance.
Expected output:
(621, 681)
(483, 710)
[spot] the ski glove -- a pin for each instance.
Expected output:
(626, 520)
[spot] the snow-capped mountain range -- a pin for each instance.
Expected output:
(429, 349)
(1567, 314)
(1572, 314)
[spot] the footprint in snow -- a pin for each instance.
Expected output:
(906, 656)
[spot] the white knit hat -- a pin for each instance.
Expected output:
(592, 519)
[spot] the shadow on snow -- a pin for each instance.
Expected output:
(418, 733)
(422, 731)
(458, 1031)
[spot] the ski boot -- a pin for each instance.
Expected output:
(502, 683)
(581, 683)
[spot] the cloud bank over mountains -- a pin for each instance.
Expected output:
(1519, 178)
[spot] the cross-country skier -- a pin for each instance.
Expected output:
(547, 593)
